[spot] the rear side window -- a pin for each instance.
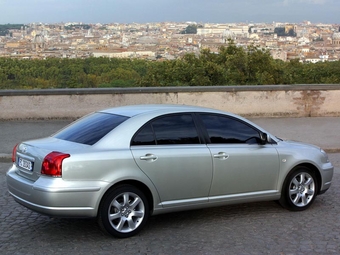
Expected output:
(169, 129)
(91, 128)
(145, 136)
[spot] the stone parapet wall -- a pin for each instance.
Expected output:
(248, 101)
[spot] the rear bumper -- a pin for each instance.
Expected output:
(56, 197)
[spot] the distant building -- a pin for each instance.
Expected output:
(207, 31)
(336, 39)
(159, 41)
(240, 31)
(303, 41)
(279, 54)
(290, 27)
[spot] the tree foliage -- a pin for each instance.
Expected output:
(191, 29)
(232, 65)
(5, 28)
(77, 26)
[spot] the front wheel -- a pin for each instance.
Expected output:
(299, 189)
(123, 211)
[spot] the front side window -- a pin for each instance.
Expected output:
(90, 129)
(224, 129)
(169, 129)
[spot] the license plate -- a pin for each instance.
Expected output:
(25, 164)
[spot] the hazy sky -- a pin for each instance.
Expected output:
(143, 11)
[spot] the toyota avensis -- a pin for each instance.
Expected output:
(124, 164)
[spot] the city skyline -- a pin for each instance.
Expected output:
(148, 11)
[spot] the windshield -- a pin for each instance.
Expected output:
(91, 128)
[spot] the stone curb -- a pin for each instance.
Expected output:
(4, 157)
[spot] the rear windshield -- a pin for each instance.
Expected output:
(90, 129)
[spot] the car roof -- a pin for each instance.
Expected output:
(133, 110)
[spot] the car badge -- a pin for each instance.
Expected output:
(24, 149)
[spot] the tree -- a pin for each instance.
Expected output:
(191, 29)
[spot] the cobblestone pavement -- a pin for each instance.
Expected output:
(256, 228)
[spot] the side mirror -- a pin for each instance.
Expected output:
(264, 138)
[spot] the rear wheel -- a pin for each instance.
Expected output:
(299, 189)
(123, 211)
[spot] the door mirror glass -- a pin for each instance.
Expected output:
(264, 138)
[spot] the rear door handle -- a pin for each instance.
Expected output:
(221, 155)
(149, 157)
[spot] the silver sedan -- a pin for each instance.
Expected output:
(124, 164)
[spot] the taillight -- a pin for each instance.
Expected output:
(52, 164)
(14, 153)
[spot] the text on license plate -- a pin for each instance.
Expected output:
(25, 164)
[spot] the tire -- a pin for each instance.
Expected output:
(299, 189)
(123, 211)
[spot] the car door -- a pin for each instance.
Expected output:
(241, 164)
(169, 150)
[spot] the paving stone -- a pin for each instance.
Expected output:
(255, 228)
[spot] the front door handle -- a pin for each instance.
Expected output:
(221, 155)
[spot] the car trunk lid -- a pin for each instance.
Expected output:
(30, 155)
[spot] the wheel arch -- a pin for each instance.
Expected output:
(312, 168)
(139, 185)
(286, 199)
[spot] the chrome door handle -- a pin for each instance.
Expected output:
(221, 155)
(149, 157)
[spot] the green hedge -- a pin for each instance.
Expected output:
(232, 65)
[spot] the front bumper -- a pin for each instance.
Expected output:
(326, 177)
